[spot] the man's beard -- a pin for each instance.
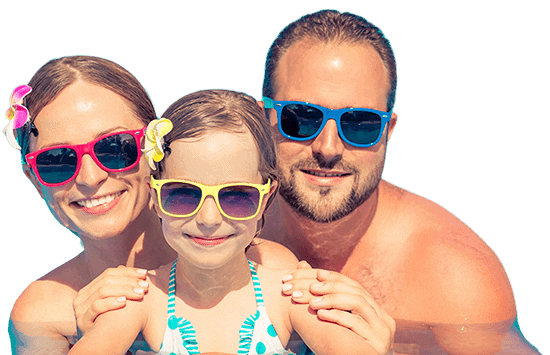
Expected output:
(329, 205)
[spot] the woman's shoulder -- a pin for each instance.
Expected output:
(43, 313)
(50, 297)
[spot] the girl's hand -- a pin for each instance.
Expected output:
(107, 292)
(341, 300)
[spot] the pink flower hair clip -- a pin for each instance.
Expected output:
(17, 114)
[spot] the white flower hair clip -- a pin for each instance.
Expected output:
(154, 140)
(17, 114)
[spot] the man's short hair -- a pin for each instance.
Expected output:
(330, 26)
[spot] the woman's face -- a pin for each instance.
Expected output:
(207, 239)
(96, 204)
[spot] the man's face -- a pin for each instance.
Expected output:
(325, 179)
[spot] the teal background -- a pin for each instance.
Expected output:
(472, 102)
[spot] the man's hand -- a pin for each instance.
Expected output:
(107, 292)
(341, 300)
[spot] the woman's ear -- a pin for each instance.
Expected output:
(30, 175)
(155, 201)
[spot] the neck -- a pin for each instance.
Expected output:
(141, 245)
(325, 245)
(204, 288)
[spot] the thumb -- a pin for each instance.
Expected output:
(303, 265)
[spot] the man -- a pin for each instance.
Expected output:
(443, 285)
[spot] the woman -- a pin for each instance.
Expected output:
(81, 150)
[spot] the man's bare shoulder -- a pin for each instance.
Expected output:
(271, 254)
(452, 276)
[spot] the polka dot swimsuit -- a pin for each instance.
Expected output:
(256, 336)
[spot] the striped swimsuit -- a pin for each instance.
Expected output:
(256, 336)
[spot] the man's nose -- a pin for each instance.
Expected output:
(328, 145)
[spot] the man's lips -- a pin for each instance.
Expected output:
(328, 174)
(324, 178)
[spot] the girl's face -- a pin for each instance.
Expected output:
(96, 204)
(207, 239)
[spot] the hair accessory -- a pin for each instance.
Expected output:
(154, 140)
(17, 114)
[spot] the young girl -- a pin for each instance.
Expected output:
(216, 175)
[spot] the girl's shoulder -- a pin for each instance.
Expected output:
(277, 304)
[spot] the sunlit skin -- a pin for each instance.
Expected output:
(422, 264)
(214, 290)
(123, 231)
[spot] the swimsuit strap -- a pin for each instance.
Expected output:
(172, 290)
(256, 282)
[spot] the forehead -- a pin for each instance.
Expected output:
(81, 112)
(216, 157)
(333, 75)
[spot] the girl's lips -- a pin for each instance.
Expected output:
(99, 205)
(209, 242)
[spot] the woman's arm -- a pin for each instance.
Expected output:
(114, 332)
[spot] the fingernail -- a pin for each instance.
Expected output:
(287, 277)
(324, 273)
(316, 299)
(121, 299)
(317, 284)
(142, 283)
(297, 294)
(139, 291)
(287, 287)
(142, 271)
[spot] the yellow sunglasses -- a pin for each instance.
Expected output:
(182, 198)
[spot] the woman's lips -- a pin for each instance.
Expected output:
(99, 205)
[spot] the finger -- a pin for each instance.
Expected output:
(357, 305)
(105, 283)
(297, 285)
(303, 265)
(326, 275)
(119, 275)
(85, 322)
(83, 302)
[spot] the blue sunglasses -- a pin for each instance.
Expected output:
(301, 121)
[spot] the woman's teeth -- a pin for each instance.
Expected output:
(93, 202)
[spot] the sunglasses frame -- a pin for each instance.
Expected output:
(86, 148)
(208, 190)
(328, 114)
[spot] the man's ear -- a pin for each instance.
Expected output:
(391, 125)
(261, 103)
(30, 175)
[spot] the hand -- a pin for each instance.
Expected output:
(343, 301)
(107, 292)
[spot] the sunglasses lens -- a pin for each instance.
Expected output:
(179, 198)
(361, 127)
(117, 152)
(300, 121)
(239, 201)
(56, 165)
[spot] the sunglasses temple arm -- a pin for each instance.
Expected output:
(268, 103)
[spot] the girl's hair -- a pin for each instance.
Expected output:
(198, 113)
(59, 73)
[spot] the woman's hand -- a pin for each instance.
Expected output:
(341, 300)
(107, 292)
